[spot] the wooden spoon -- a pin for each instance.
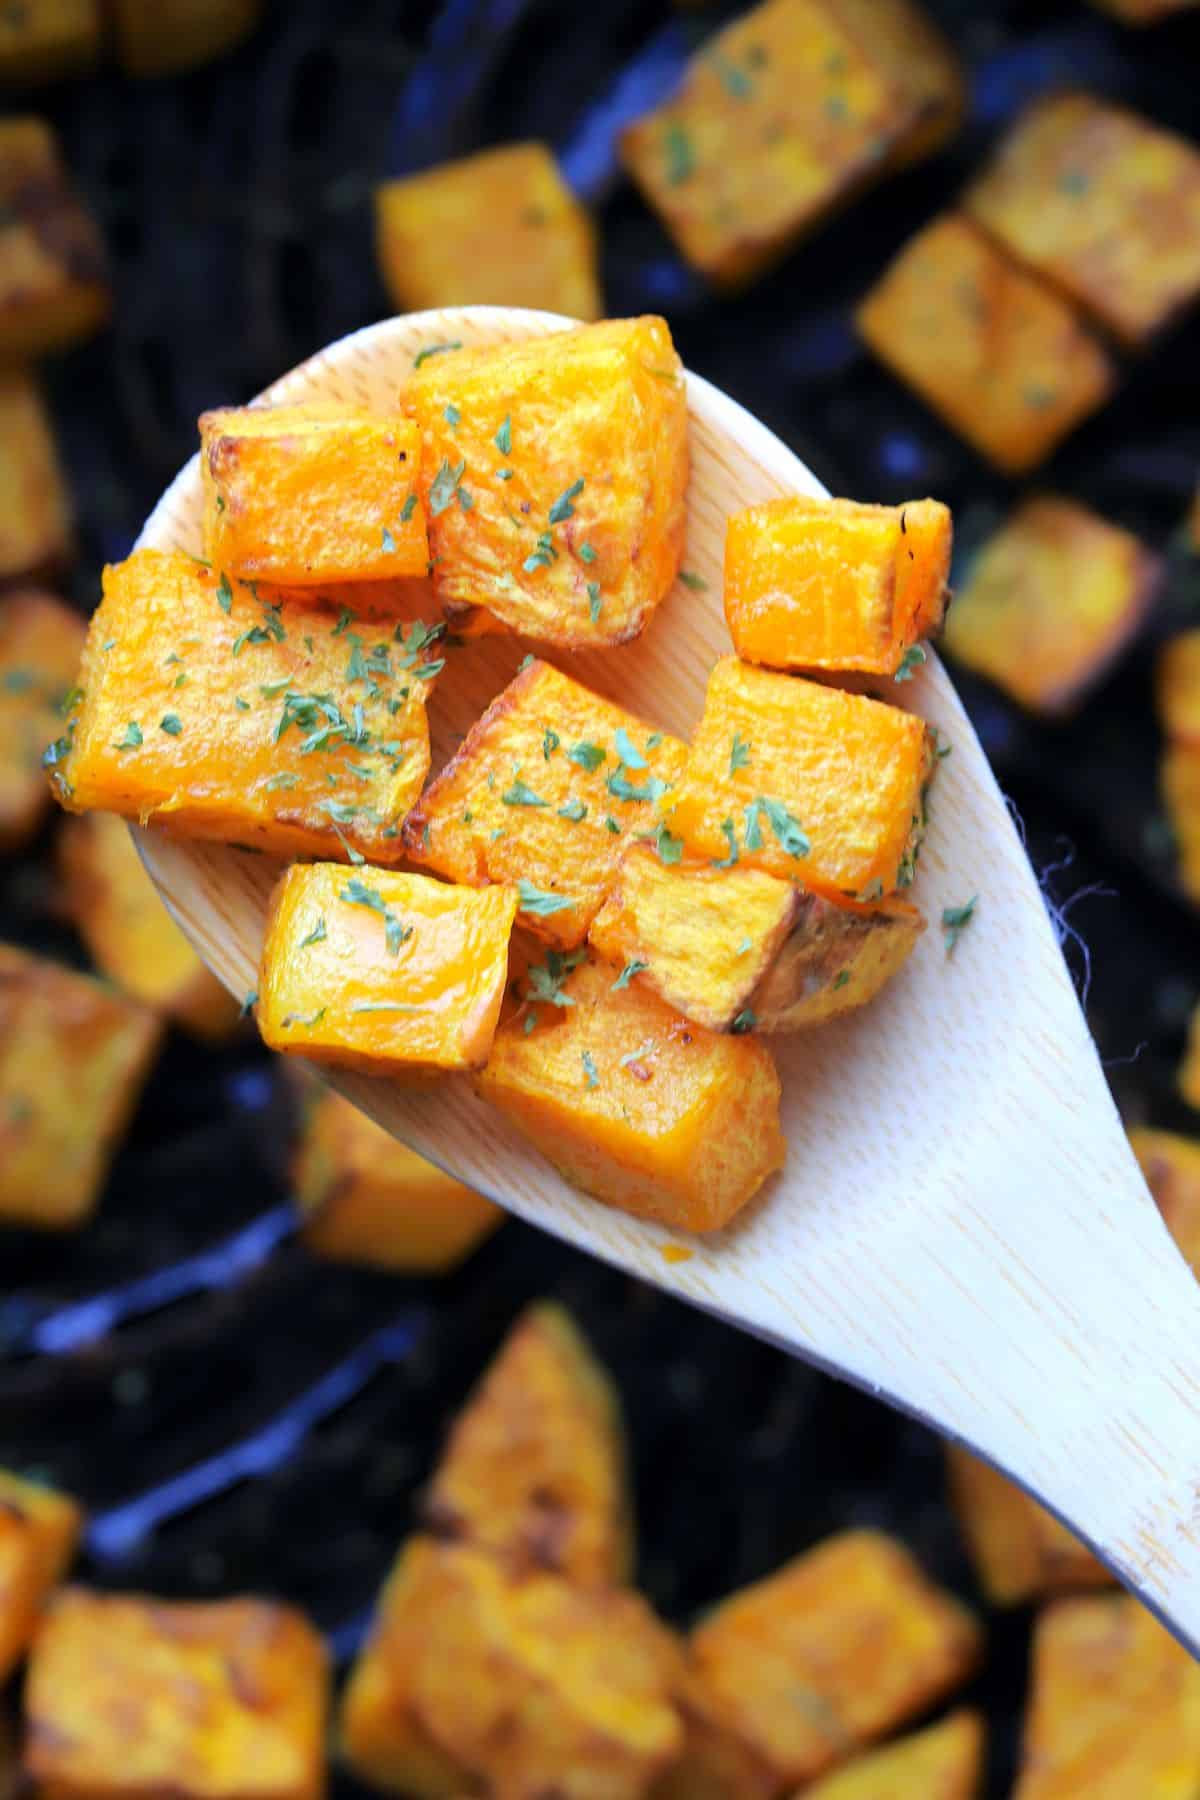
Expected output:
(961, 1227)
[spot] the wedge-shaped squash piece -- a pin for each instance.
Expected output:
(637, 1106)
(1103, 204)
(1189, 1071)
(53, 276)
(302, 495)
(534, 1469)
(41, 641)
(804, 781)
(73, 1057)
(553, 473)
(35, 513)
(1050, 602)
(1171, 1165)
(372, 969)
(222, 1700)
(1114, 1708)
(368, 1199)
(217, 714)
(943, 1762)
(1181, 792)
(785, 115)
(545, 789)
(1178, 688)
(38, 1529)
(834, 584)
(500, 228)
(47, 40)
(523, 1681)
(1003, 359)
(161, 37)
(1020, 1551)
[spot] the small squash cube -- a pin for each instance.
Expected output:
(38, 1530)
(1189, 1071)
(161, 37)
(553, 473)
(543, 792)
(805, 781)
(218, 714)
(368, 1199)
(943, 1762)
(371, 969)
(53, 274)
(1103, 204)
(1003, 359)
(73, 1057)
(500, 228)
(42, 41)
(222, 1700)
(1171, 1165)
(534, 1469)
(783, 116)
(35, 513)
(1180, 778)
(637, 1106)
(525, 1682)
(1020, 1551)
(1050, 601)
(1178, 688)
(304, 495)
(41, 641)
(834, 959)
(832, 584)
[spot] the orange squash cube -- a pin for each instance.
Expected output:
(43, 42)
(41, 641)
(222, 1700)
(1180, 778)
(38, 1531)
(807, 782)
(161, 37)
(1178, 688)
(368, 1199)
(943, 1762)
(1103, 204)
(1189, 1071)
(53, 274)
(1171, 1165)
(1003, 359)
(1050, 601)
(73, 1057)
(637, 1106)
(499, 228)
(1020, 1551)
(390, 973)
(833, 584)
(217, 714)
(534, 1470)
(544, 792)
(35, 512)
(303, 495)
(553, 473)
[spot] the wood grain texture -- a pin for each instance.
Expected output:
(961, 1227)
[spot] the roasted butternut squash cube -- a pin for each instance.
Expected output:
(1181, 792)
(543, 792)
(500, 228)
(50, 38)
(35, 513)
(534, 1469)
(224, 1700)
(218, 714)
(1020, 1551)
(305, 495)
(161, 37)
(1189, 1072)
(38, 1531)
(637, 1106)
(73, 1057)
(527, 1683)
(834, 959)
(54, 286)
(783, 116)
(1171, 1165)
(833, 584)
(804, 781)
(1178, 688)
(553, 473)
(1002, 357)
(1050, 601)
(1103, 204)
(368, 1199)
(1114, 1705)
(943, 1762)
(41, 641)
(376, 970)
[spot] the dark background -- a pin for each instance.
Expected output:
(234, 1415)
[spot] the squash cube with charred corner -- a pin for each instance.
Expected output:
(1020, 1551)
(368, 1199)
(35, 512)
(310, 494)
(553, 473)
(1002, 357)
(222, 1700)
(1050, 601)
(1171, 1165)
(535, 1469)
(53, 274)
(161, 37)
(1180, 780)
(41, 642)
(500, 228)
(73, 1057)
(943, 1762)
(218, 714)
(1177, 689)
(38, 1530)
(47, 40)
(785, 115)
(833, 584)
(1103, 204)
